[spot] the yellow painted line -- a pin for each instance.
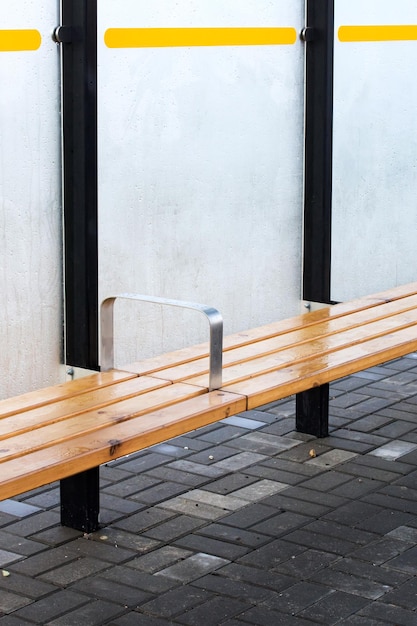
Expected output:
(179, 37)
(19, 40)
(378, 33)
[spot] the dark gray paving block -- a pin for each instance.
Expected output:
(45, 561)
(281, 523)
(347, 443)
(349, 383)
(177, 476)
(134, 618)
(208, 471)
(105, 551)
(348, 399)
(313, 495)
(10, 601)
(159, 493)
(357, 487)
(368, 440)
(112, 591)
(118, 538)
(193, 567)
(142, 462)
(170, 449)
(262, 416)
(18, 509)
(12, 620)
(358, 469)
(399, 467)
(277, 475)
(34, 523)
(389, 614)
(334, 608)
(355, 513)
(405, 562)
(56, 536)
(130, 485)
(159, 559)
(249, 515)
(127, 576)
(405, 596)
(381, 551)
(326, 481)
(24, 585)
(212, 455)
(304, 565)
(222, 586)
(393, 503)
(139, 522)
(213, 612)
(245, 420)
(267, 579)
(120, 505)
(208, 545)
(291, 467)
(270, 556)
(95, 613)
(298, 597)
(396, 429)
(53, 606)
(357, 620)
(71, 572)
(176, 602)
(230, 483)
(349, 584)
(264, 616)
(282, 427)
(7, 557)
(222, 434)
(301, 452)
(282, 503)
(341, 531)
(380, 574)
(319, 541)
(20, 545)
(175, 528)
(250, 539)
(385, 521)
(190, 443)
(372, 423)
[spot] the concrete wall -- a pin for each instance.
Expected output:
(30, 202)
(200, 170)
(375, 153)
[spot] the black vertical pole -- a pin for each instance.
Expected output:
(77, 36)
(312, 406)
(79, 110)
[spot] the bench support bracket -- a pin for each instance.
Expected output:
(80, 501)
(312, 411)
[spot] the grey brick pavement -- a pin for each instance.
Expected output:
(238, 524)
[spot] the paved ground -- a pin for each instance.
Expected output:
(244, 522)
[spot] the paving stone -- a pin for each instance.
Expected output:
(159, 493)
(334, 608)
(133, 618)
(389, 614)
(193, 567)
(112, 591)
(405, 596)
(371, 571)
(356, 514)
(159, 559)
(249, 515)
(282, 427)
(53, 606)
(24, 585)
(128, 576)
(193, 508)
(71, 572)
(95, 613)
(332, 458)
(12, 620)
(260, 490)
(326, 481)
(341, 531)
(385, 521)
(17, 509)
(264, 443)
(347, 443)
(276, 475)
(404, 533)
(243, 420)
(11, 602)
(209, 471)
(301, 453)
(175, 528)
(290, 466)
(122, 539)
(240, 461)
(34, 523)
(213, 455)
(321, 542)
(209, 545)
(298, 597)
(351, 584)
(230, 483)
(313, 495)
(406, 562)
(264, 616)
(213, 612)
(305, 564)
(234, 535)
(45, 561)
(222, 434)
(265, 578)
(227, 502)
(140, 522)
(131, 485)
(394, 450)
(357, 487)
(397, 504)
(382, 551)
(176, 602)
(8, 557)
(169, 449)
(142, 462)
(282, 503)
(56, 535)
(281, 523)
(268, 557)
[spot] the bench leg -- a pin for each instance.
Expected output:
(312, 411)
(80, 501)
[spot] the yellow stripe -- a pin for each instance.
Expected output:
(17, 40)
(175, 37)
(378, 33)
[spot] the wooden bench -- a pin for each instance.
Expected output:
(67, 431)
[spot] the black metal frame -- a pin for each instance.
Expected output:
(312, 407)
(78, 35)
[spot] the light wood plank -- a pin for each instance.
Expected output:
(40, 397)
(63, 409)
(118, 439)
(297, 377)
(49, 435)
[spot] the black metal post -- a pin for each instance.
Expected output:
(80, 501)
(312, 407)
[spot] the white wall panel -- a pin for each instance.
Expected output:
(200, 170)
(30, 213)
(375, 153)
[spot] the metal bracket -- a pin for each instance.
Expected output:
(307, 34)
(214, 318)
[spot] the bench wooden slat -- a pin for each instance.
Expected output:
(40, 397)
(236, 340)
(63, 409)
(297, 377)
(332, 333)
(49, 435)
(116, 440)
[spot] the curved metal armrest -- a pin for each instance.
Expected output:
(214, 318)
